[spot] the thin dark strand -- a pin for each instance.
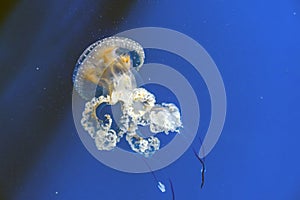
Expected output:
(153, 174)
(202, 180)
(202, 162)
(172, 189)
(203, 168)
(201, 142)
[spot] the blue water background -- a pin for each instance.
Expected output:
(255, 45)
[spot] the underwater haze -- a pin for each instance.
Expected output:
(255, 46)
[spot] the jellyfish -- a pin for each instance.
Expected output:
(105, 75)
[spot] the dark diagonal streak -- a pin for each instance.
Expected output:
(27, 129)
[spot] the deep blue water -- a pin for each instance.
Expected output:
(255, 45)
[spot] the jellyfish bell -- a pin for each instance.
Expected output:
(103, 62)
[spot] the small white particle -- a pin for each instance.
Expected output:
(44, 88)
(161, 186)
(261, 97)
(56, 192)
(149, 79)
(294, 13)
(37, 68)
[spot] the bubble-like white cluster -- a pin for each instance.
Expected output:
(138, 109)
(144, 146)
(100, 130)
(164, 118)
